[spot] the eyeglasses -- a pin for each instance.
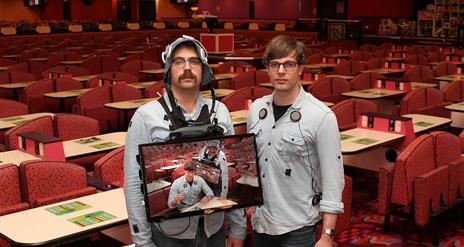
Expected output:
(288, 66)
(180, 61)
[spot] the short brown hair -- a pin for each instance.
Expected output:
(190, 166)
(282, 46)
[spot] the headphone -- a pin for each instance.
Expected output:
(166, 56)
(295, 116)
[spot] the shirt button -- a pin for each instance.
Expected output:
(269, 143)
(265, 159)
(273, 127)
(263, 176)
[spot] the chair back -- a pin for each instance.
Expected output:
(43, 125)
(72, 126)
(110, 167)
(12, 108)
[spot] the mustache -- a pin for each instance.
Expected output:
(187, 74)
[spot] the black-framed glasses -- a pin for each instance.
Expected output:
(288, 66)
(180, 61)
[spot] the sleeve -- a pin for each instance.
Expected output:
(139, 226)
(331, 165)
(173, 193)
(224, 174)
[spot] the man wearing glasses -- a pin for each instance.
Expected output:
(299, 152)
(186, 68)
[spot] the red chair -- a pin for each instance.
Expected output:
(92, 104)
(44, 182)
(382, 52)
(110, 167)
(348, 111)
(155, 90)
(6, 62)
(365, 81)
(261, 76)
(43, 125)
(446, 68)
(10, 198)
(100, 64)
(64, 84)
(135, 66)
(415, 50)
(349, 67)
(436, 57)
(71, 126)
(376, 63)
(68, 69)
(246, 79)
(419, 74)
(227, 67)
(368, 47)
(417, 59)
(33, 96)
(33, 67)
(315, 58)
(330, 89)
(420, 179)
(238, 99)
(12, 108)
(362, 56)
(427, 101)
(453, 92)
(112, 76)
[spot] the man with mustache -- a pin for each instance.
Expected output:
(186, 68)
(299, 152)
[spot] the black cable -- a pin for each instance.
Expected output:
(172, 235)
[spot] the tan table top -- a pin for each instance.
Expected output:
(67, 94)
(239, 117)
(16, 85)
(129, 104)
(449, 78)
(319, 66)
(13, 56)
(416, 85)
(132, 52)
(73, 149)
(359, 139)
(384, 71)
(4, 68)
(373, 93)
(425, 122)
(38, 59)
(346, 77)
(142, 85)
(394, 59)
(15, 157)
(10, 122)
(220, 92)
(84, 78)
(72, 62)
(338, 55)
(234, 58)
(225, 76)
(152, 71)
(29, 227)
(456, 107)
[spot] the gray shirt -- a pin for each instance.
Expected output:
(191, 192)
(148, 125)
(221, 163)
(291, 154)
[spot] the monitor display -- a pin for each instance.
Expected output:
(200, 176)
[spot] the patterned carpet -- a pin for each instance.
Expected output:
(367, 226)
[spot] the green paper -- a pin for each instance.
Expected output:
(67, 208)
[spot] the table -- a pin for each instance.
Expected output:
(359, 139)
(29, 227)
(385, 71)
(39, 59)
(157, 185)
(457, 114)
(16, 86)
(142, 85)
(423, 123)
(11, 56)
(220, 93)
(384, 98)
(10, 122)
(239, 117)
(84, 79)
(15, 157)
(224, 76)
(72, 62)
(319, 67)
(126, 106)
(63, 95)
(345, 77)
(2, 68)
(106, 142)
